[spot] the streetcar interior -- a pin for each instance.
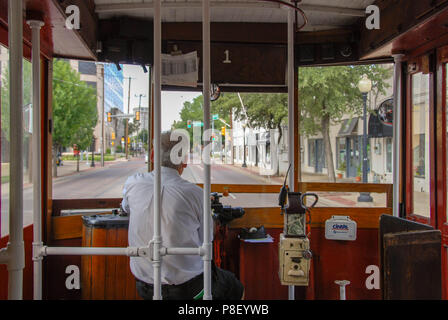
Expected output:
(251, 54)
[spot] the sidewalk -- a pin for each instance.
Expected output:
(326, 199)
(306, 177)
(69, 166)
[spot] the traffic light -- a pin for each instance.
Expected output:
(137, 116)
(109, 117)
(122, 139)
(113, 136)
(223, 131)
(188, 123)
(129, 140)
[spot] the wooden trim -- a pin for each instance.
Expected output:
(44, 130)
(345, 187)
(65, 204)
(441, 158)
(88, 33)
(432, 144)
(308, 186)
(68, 227)
(47, 175)
(432, 140)
(408, 152)
(244, 188)
(441, 141)
(418, 218)
(366, 218)
(398, 18)
(250, 32)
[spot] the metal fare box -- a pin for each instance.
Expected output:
(340, 228)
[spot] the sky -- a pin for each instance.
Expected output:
(172, 101)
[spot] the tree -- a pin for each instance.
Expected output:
(264, 110)
(193, 111)
(27, 107)
(326, 94)
(27, 94)
(74, 109)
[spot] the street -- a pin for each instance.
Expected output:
(108, 181)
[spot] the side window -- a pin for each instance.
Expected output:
(5, 141)
(420, 144)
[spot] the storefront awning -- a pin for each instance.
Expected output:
(377, 129)
(347, 127)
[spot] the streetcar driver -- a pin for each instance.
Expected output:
(181, 227)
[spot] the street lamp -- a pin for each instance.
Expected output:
(244, 145)
(364, 85)
(92, 164)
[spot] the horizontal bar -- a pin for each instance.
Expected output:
(108, 251)
(244, 188)
(90, 251)
(183, 251)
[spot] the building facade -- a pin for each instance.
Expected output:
(108, 82)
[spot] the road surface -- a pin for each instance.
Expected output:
(108, 181)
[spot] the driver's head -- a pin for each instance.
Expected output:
(169, 158)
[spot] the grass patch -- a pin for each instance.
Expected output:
(107, 157)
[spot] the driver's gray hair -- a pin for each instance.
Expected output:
(166, 146)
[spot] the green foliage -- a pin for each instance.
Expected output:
(132, 126)
(74, 108)
(332, 92)
(193, 111)
(107, 157)
(326, 94)
(143, 136)
(260, 110)
(27, 93)
(342, 166)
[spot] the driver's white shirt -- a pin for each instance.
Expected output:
(181, 224)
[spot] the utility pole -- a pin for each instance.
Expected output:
(231, 137)
(140, 116)
(126, 146)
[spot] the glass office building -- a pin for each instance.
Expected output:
(113, 87)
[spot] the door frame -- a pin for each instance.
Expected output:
(441, 158)
(416, 65)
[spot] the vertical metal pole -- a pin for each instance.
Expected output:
(291, 153)
(37, 174)
(157, 240)
(207, 170)
(342, 284)
(364, 139)
(397, 135)
(15, 245)
(150, 99)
